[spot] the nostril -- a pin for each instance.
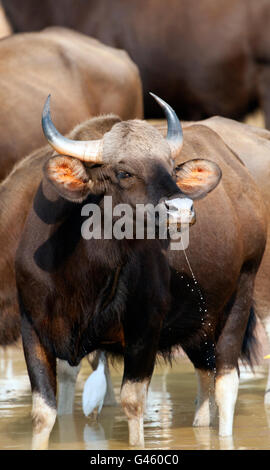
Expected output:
(167, 204)
(170, 206)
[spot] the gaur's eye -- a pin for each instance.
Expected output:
(123, 174)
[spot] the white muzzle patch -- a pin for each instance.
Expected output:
(180, 211)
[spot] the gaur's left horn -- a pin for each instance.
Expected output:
(174, 133)
(85, 150)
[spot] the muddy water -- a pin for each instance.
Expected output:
(168, 419)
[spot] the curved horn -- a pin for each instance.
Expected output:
(85, 150)
(174, 133)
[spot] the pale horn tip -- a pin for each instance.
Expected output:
(174, 133)
(46, 114)
(46, 108)
(159, 100)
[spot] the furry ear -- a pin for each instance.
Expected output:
(69, 177)
(196, 178)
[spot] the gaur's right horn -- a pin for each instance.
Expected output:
(85, 150)
(174, 133)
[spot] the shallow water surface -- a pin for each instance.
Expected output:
(168, 417)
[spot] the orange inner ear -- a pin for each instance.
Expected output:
(194, 178)
(66, 175)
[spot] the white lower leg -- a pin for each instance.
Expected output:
(205, 399)
(43, 417)
(136, 432)
(133, 399)
(226, 443)
(67, 376)
(226, 391)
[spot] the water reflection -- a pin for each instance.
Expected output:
(168, 417)
(94, 436)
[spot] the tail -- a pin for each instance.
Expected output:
(249, 352)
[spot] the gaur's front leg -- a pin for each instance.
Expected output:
(141, 340)
(41, 365)
(147, 303)
(205, 402)
(133, 399)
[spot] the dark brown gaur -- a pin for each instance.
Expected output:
(69, 310)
